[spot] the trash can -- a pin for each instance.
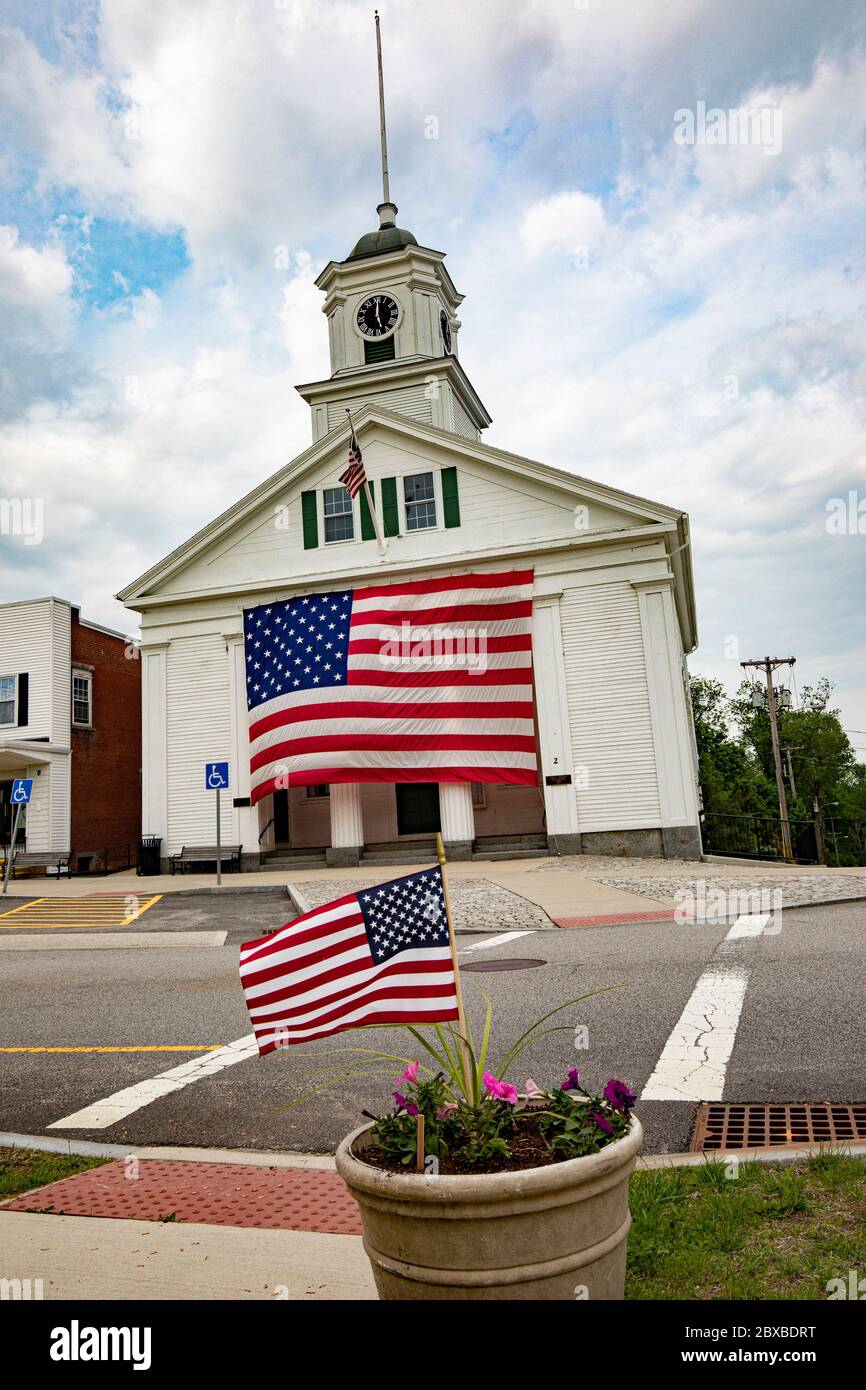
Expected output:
(148, 855)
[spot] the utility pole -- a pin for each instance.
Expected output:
(768, 665)
(788, 750)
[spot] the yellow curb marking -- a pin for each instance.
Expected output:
(106, 910)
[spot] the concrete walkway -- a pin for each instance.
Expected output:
(93, 1257)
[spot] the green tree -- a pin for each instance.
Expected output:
(732, 778)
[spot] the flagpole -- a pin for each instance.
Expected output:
(380, 539)
(458, 989)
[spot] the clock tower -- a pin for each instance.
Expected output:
(393, 329)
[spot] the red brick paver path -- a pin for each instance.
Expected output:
(219, 1194)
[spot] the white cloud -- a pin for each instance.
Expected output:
(568, 222)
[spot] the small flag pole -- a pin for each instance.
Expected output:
(380, 539)
(458, 989)
(419, 1143)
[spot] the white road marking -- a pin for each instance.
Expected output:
(694, 1061)
(104, 1113)
(749, 926)
(498, 940)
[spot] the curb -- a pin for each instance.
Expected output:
(258, 1158)
(85, 1148)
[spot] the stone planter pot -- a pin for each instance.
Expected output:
(558, 1232)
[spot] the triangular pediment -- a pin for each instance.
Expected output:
(506, 503)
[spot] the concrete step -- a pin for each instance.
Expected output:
(295, 862)
(494, 855)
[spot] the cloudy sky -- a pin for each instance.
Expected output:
(683, 320)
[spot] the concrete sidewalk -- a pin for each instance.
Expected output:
(94, 1257)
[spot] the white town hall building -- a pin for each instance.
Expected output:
(612, 607)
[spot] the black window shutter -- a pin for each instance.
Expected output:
(390, 513)
(368, 530)
(23, 698)
(309, 514)
(450, 497)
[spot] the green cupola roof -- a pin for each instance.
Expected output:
(389, 237)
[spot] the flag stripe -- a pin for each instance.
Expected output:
(498, 579)
(399, 742)
(516, 776)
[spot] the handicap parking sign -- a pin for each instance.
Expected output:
(216, 776)
(21, 790)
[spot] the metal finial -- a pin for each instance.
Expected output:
(386, 209)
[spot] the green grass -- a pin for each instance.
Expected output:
(769, 1233)
(23, 1169)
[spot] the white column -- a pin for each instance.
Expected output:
(347, 824)
(154, 807)
(457, 816)
(556, 770)
(671, 719)
(245, 819)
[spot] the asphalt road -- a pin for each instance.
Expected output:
(801, 1034)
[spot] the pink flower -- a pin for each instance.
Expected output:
(411, 1073)
(532, 1088)
(445, 1110)
(500, 1090)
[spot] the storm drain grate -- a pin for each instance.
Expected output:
(731, 1126)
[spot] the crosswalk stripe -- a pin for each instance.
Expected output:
(694, 1060)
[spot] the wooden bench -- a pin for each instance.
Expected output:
(230, 857)
(36, 859)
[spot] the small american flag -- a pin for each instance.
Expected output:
(382, 955)
(354, 477)
(424, 680)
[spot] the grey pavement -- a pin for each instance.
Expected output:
(802, 1034)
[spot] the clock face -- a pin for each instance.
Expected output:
(377, 316)
(445, 329)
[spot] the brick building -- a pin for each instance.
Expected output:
(70, 718)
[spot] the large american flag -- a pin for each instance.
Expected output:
(350, 686)
(381, 955)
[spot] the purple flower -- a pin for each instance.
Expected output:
(404, 1104)
(619, 1095)
(603, 1122)
(572, 1081)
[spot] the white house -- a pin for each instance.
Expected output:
(70, 720)
(613, 603)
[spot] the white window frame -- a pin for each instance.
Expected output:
(11, 723)
(437, 498)
(82, 673)
(356, 517)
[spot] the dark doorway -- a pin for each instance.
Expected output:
(281, 817)
(417, 808)
(7, 816)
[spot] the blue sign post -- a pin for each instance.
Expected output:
(216, 779)
(19, 796)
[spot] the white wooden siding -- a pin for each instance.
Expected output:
(35, 637)
(609, 708)
(462, 423)
(414, 401)
(197, 731)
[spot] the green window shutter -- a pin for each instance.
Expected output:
(368, 530)
(450, 497)
(390, 513)
(309, 513)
